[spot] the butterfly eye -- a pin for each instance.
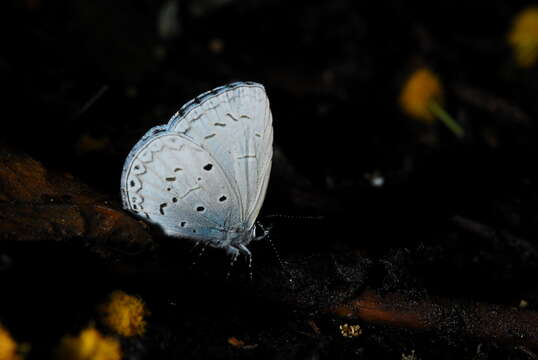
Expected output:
(208, 167)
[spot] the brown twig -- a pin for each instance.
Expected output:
(474, 320)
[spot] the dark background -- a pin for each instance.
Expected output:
(83, 80)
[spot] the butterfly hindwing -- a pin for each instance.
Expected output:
(178, 185)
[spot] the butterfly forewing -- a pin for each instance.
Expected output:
(235, 126)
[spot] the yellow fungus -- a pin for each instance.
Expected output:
(88, 345)
(8, 346)
(420, 88)
(350, 331)
(124, 314)
(523, 37)
(421, 98)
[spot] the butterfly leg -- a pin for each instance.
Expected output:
(233, 253)
(244, 250)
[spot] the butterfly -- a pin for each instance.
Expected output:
(204, 175)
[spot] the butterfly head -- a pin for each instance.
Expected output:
(238, 236)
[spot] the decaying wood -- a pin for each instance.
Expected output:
(473, 320)
(38, 205)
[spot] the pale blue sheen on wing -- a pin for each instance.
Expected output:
(235, 125)
(175, 183)
(206, 171)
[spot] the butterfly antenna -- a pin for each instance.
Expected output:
(248, 255)
(277, 254)
(293, 217)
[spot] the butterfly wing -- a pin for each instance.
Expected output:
(179, 186)
(234, 124)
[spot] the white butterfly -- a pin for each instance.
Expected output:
(204, 175)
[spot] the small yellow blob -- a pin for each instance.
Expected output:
(523, 37)
(421, 98)
(88, 345)
(8, 346)
(420, 89)
(350, 331)
(124, 314)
